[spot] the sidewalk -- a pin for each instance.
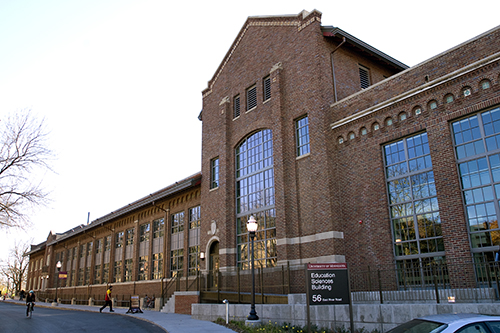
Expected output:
(171, 322)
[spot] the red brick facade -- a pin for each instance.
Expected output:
(331, 204)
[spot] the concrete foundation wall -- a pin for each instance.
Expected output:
(381, 317)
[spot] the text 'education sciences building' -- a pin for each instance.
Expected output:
(340, 152)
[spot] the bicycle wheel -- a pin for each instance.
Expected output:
(31, 310)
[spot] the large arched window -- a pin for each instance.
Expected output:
(255, 196)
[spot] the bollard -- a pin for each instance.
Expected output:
(227, 310)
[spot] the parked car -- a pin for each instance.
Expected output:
(450, 323)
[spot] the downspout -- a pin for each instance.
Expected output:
(333, 69)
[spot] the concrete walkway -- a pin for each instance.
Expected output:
(171, 322)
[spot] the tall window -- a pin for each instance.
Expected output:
(144, 232)
(194, 217)
(97, 274)
(89, 250)
(105, 273)
(119, 239)
(266, 83)
(129, 236)
(477, 148)
(128, 269)
(413, 203)
(236, 106)
(364, 77)
(302, 135)
(176, 259)
(158, 228)
(117, 273)
(80, 276)
(255, 196)
(98, 246)
(157, 266)
(251, 97)
(214, 173)
(143, 267)
(107, 243)
(194, 240)
(177, 222)
(177, 244)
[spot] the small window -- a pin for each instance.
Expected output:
(341, 140)
(363, 131)
(302, 135)
(485, 84)
(388, 122)
(236, 107)
(376, 127)
(402, 116)
(449, 98)
(351, 136)
(467, 91)
(214, 173)
(267, 88)
(433, 105)
(251, 97)
(364, 77)
(417, 110)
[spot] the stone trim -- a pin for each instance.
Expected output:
(310, 238)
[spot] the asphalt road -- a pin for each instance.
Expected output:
(13, 319)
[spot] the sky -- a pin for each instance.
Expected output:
(118, 83)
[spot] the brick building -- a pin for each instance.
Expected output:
(341, 153)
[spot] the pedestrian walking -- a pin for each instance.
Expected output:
(108, 301)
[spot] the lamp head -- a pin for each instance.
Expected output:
(202, 255)
(59, 265)
(252, 224)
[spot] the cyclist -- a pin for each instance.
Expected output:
(30, 299)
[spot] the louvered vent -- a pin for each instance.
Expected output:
(267, 88)
(364, 77)
(236, 106)
(251, 97)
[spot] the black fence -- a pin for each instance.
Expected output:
(434, 283)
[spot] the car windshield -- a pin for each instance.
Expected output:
(419, 326)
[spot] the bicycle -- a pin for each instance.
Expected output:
(30, 309)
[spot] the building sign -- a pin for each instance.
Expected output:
(328, 284)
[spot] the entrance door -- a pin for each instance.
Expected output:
(213, 265)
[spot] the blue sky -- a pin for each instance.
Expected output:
(119, 82)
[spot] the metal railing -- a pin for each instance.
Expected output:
(435, 283)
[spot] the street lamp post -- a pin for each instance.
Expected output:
(252, 228)
(58, 266)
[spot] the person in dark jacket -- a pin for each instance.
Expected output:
(30, 298)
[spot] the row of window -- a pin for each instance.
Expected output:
(302, 148)
(251, 96)
(412, 195)
(417, 110)
(150, 263)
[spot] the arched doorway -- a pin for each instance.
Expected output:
(213, 265)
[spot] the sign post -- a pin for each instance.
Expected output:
(328, 284)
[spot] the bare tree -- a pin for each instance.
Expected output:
(14, 268)
(23, 152)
